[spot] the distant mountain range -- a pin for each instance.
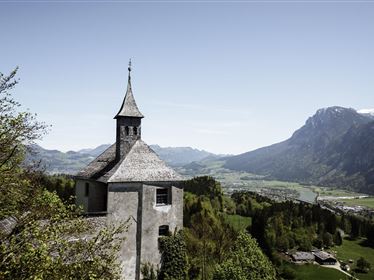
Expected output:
(335, 148)
(54, 161)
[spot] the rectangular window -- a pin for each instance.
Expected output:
(163, 230)
(162, 196)
(87, 189)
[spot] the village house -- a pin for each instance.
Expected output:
(324, 258)
(129, 180)
(302, 257)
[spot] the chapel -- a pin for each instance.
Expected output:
(130, 181)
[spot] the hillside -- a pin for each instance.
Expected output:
(335, 148)
(54, 161)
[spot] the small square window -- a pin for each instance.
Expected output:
(162, 196)
(163, 230)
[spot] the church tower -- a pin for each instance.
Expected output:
(129, 121)
(129, 182)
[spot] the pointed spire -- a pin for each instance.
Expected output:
(129, 107)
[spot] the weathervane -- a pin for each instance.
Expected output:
(129, 65)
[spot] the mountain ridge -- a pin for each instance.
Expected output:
(315, 153)
(54, 161)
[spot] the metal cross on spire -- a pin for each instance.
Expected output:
(129, 65)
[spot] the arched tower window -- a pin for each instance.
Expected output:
(135, 130)
(127, 131)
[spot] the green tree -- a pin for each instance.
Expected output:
(245, 261)
(174, 264)
(149, 272)
(363, 265)
(17, 129)
(327, 239)
(40, 236)
(207, 186)
(338, 240)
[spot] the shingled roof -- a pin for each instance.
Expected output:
(141, 164)
(129, 107)
(100, 165)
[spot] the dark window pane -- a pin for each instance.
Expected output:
(87, 189)
(163, 230)
(162, 196)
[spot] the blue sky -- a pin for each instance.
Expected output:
(227, 77)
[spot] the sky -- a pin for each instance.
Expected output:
(224, 76)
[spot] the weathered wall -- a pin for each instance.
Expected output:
(97, 199)
(80, 198)
(123, 204)
(137, 202)
(155, 216)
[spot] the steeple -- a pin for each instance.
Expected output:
(129, 107)
(128, 122)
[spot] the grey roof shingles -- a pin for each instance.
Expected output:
(301, 256)
(129, 107)
(97, 168)
(141, 164)
(323, 255)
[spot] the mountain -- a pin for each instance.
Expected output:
(96, 151)
(367, 112)
(54, 161)
(335, 148)
(179, 156)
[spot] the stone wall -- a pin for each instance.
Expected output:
(96, 201)
(137, 203)
(155, 216)
(123, 205)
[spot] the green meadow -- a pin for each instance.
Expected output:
(367, 202)
(316, 272)
(352, 250)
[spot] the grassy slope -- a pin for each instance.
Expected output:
(368, 202)
(353, 250)
(239, 222)
(324, 191)
(313, 272)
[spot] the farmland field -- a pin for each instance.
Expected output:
(367, 202)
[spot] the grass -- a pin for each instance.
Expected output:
(313, 272)
(354, 250)
(367, 201)
(238, 222)
(323, 191)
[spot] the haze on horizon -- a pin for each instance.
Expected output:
(220, 76)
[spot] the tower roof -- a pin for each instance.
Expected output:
(129, 107)
(141, 164)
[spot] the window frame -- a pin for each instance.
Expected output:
(163, 199)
